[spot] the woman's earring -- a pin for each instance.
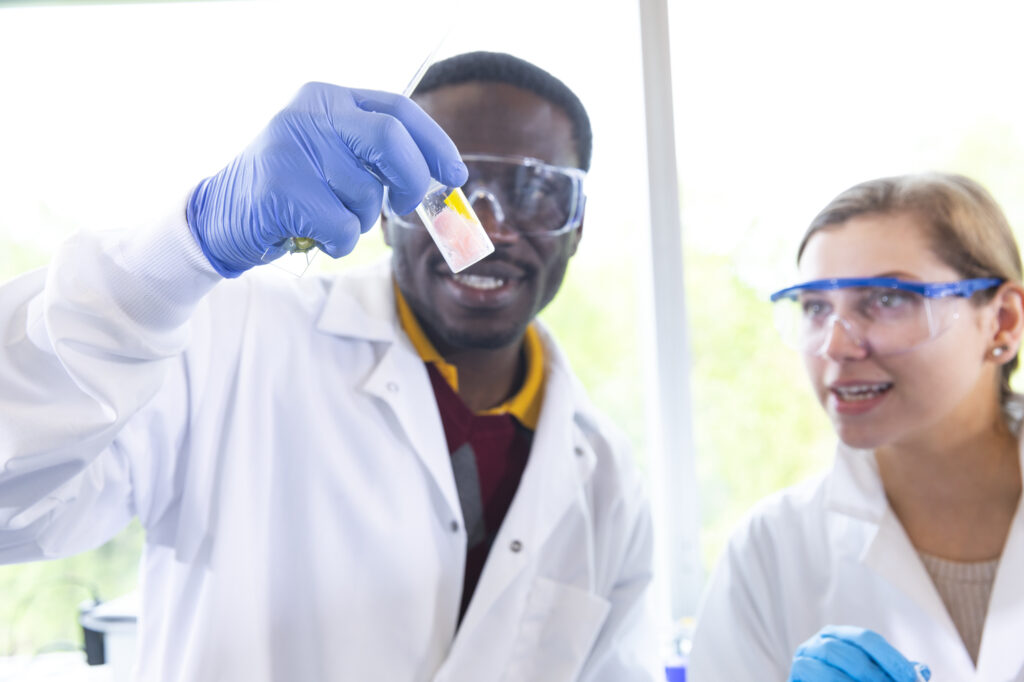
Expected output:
(999, 350)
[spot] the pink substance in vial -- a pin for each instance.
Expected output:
(462, 241)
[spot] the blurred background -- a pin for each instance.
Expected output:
(112, 111)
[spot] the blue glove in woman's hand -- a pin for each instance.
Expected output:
(318, 171)
(849, 654)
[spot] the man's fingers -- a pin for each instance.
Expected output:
(303, 208)
(388, 150)
(358, 189)
(389, 134)
(437, 149)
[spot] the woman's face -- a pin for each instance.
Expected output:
(941, 386)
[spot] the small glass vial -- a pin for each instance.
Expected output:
(454, 227)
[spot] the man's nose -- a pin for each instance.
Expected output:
(488, 209)
(842, 341)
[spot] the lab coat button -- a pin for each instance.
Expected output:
(455, 526)
(516, 546)
(392, 387)
(579, 451)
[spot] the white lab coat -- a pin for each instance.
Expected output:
(280, 442)
(831, 551)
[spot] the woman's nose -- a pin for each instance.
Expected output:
(842, 341)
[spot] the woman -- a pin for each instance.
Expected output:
(909, 321)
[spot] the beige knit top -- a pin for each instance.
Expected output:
(965, 589)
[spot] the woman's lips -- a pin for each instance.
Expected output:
(858, 397)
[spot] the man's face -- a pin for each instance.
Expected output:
(489, 304)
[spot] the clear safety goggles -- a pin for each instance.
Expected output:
(523, 194)
(884, 314)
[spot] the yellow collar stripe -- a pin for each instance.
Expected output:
(524, 405)
(422, 344)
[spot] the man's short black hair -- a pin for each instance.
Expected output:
(504, 68)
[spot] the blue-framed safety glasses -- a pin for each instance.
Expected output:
(884, 314)
(522, 194)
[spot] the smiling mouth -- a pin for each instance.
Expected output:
(860, 392)
(480, 282)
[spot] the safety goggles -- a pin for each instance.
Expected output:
(884, 314)
(523, 194)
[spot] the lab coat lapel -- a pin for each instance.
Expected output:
(362, 305)
(561, 460)
(1001, 656)
(400, 380)
(891, 555)
(887, 551)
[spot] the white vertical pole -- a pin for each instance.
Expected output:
(671, 465)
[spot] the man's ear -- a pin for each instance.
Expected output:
(1009, 322)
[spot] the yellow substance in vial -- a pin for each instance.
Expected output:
(457, 202)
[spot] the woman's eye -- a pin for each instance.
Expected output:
(812, 308)
(890, 300)
(890, 305)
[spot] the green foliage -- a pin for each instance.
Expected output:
(757, 426)
(594, 321)
(17, 257)
(40, 604)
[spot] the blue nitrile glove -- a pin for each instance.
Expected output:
(850, 654)
(316, 171)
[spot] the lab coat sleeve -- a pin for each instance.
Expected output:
(87, 343)
(739, 630)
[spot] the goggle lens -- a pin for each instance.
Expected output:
(888, 321)
(524, 195)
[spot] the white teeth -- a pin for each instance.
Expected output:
(862, 391)
(479, 281)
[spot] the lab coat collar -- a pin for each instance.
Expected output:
(560, 438)
(361, 304)
(855, 486)
(855, 489)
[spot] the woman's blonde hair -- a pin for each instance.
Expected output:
(968, 230)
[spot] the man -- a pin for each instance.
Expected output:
(391, 475)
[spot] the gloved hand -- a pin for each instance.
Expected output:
(847, 654)
(316, 171)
